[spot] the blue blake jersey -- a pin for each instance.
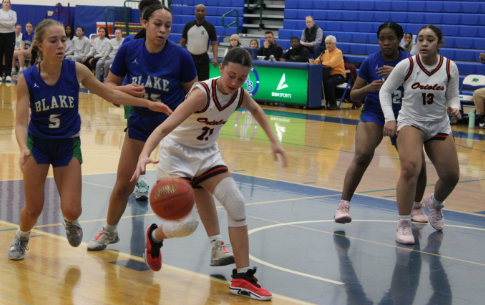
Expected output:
(162, 73)
(54, 109)
(368, 71)
(28, 39)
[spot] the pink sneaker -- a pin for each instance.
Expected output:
(436, 219)
(404, 233)
(417, 213)
(342, 213)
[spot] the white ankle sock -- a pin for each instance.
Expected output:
(436, 202)
(23, 234)
(242, 270)
(155, 238)
(110, 228)
(405, 217)
(214, 238)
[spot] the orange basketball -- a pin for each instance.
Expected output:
(172, 198)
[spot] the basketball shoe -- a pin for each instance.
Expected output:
(404, 233)
(152, 254)
(436, 219)
(417, 213)
(481, 122)
(220, 255)
(74, 232)
(103, 239)
(342, 213)
(246, 285)
(18, 247)
(141, 190)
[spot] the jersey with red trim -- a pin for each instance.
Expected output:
(202, 128)
(427, 89)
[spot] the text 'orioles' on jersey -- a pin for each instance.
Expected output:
(427, 89)
(202, 128)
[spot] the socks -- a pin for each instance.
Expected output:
(155, 238)
(405, 217)
(23, 234)
(242, 270)
(436, 203)
(142, 178)
(213, 239)
(110, 228)
(417, 203)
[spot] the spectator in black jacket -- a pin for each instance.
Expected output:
(313, 37)
(270, 47)
(297, 53)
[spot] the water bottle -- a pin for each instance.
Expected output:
(271, 58)
(471, 119)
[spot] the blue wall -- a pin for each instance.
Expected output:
(81, 15)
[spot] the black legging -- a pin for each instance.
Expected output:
(329, 87)
(91, 66)
(7, 47)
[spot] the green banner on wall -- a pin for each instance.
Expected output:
(275, 84)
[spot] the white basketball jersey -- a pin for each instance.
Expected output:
(202, 128)
(426, 89)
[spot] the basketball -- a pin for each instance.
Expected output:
(172, 198)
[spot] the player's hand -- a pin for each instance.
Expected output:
(390, 129)
(214, 62)
(160, 107)
(277, 149)
(384, 71)
(375, 86)
(84, 59)
(454, 112)
(24, 155)
(134, 90)
(141, 167)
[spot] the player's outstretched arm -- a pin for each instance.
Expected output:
(87, 78)
(116, 82)
(258, 114)
(22, 120)
(195, 102)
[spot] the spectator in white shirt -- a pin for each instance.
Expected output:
(108, 54)
(80, 46)
(94, 54)
(8, 19)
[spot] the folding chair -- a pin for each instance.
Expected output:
(474, 81)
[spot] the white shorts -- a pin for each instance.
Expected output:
(188, 162)
(433, 130)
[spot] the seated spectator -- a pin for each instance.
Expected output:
(297, 53)
(109, 54)
(69, 36)
(409, 44)
(17, 48)
(80, 46)
(254, 43)
(91, 59)
(235, 43)
(270, 47)
(333, 59)
(26, 47)
(479, 100)
(312, 37)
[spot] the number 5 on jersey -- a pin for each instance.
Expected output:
(55, 122)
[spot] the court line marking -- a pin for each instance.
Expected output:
(166, 266)
(295, 224)
(10, 299)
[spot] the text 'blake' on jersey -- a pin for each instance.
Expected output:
(62, 101)
(155, 83)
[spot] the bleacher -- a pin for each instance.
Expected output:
(355, 24)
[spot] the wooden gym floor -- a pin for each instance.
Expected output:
(302, 255)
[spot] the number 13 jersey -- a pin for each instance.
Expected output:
(202, 128)
(427, 89)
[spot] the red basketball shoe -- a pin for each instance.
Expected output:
(152, 254)
(246, 285)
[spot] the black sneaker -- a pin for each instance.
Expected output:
(481, 122)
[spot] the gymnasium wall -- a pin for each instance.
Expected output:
(85, 16)
(72, 2)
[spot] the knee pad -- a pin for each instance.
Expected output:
(231, 198)
(182, 227)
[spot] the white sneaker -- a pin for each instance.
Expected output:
(220, 255)
(8, 79)
(18, 248)
(141, 190)
(103, 239)
(417, 213)
(404, 233)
